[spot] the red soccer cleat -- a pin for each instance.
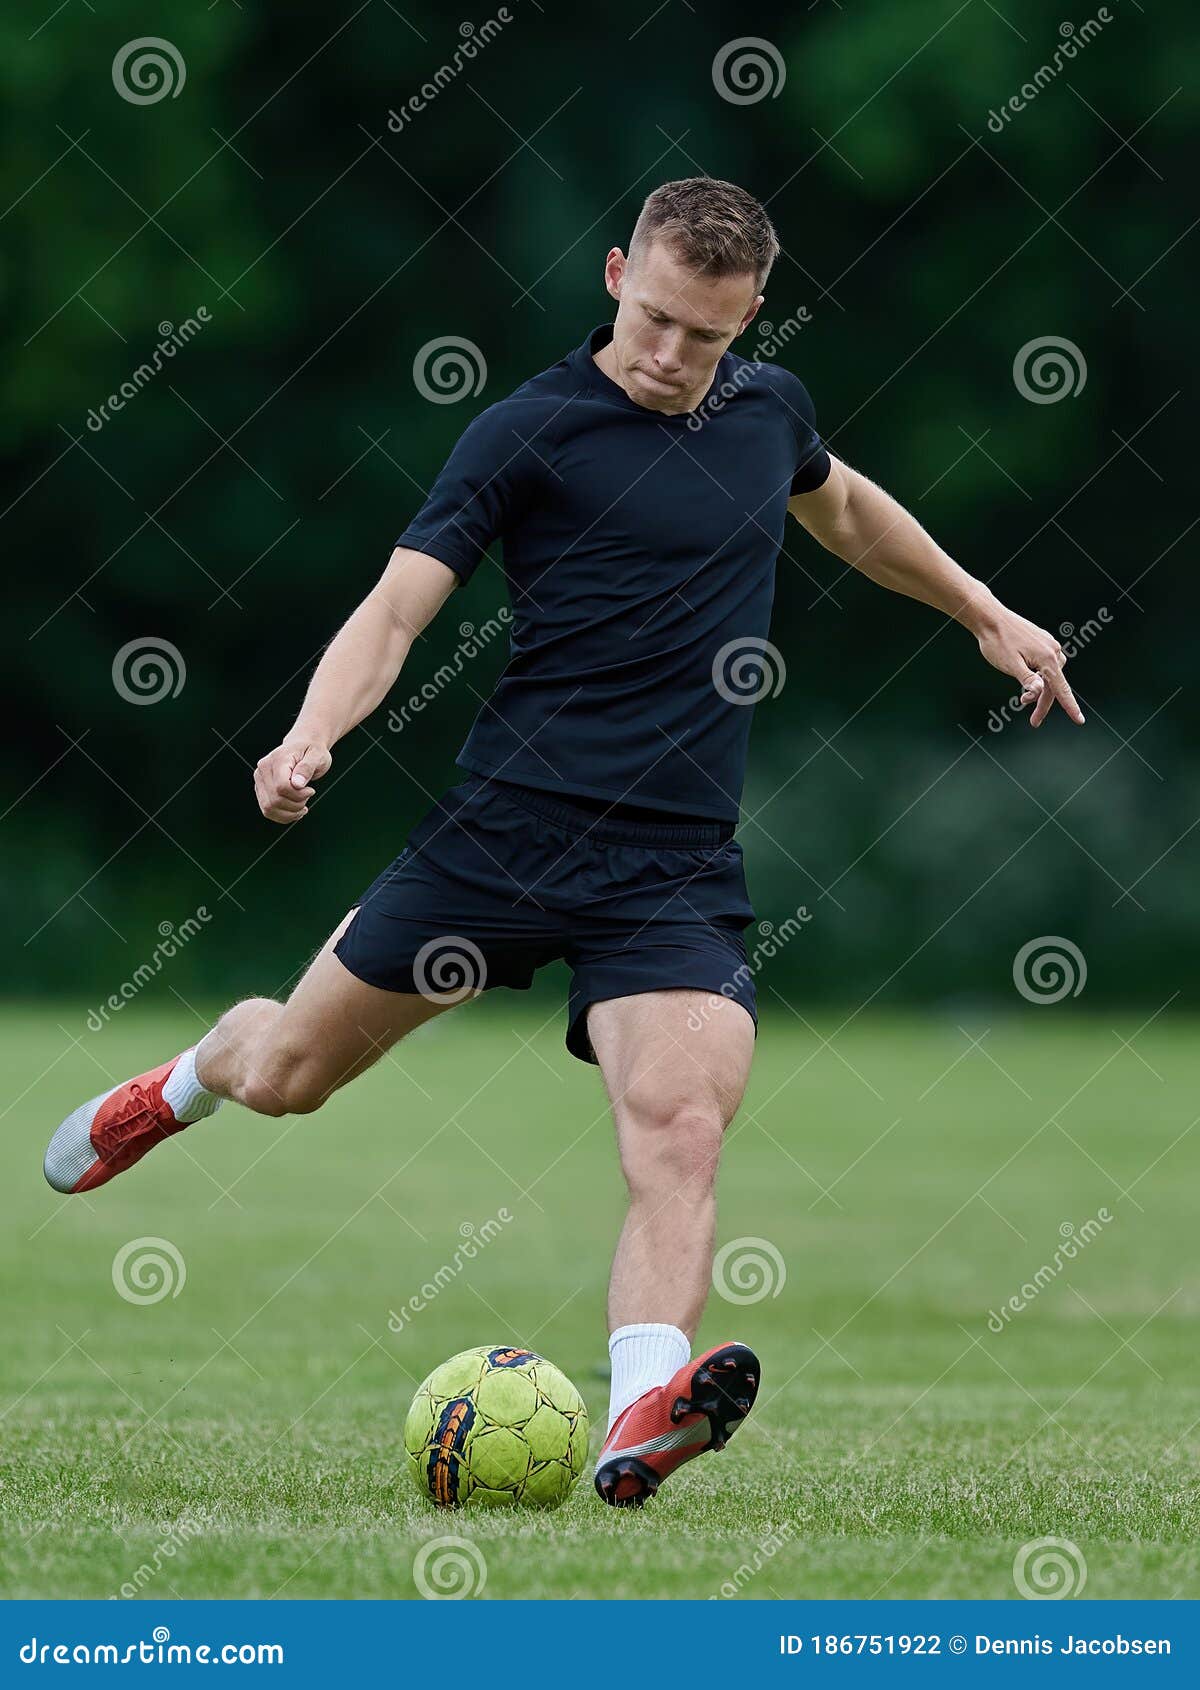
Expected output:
(110, 1133)
(696, 1410)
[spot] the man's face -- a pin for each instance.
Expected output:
(672, 326)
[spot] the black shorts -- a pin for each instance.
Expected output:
(498, 880)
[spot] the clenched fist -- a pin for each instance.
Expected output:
(281, 779)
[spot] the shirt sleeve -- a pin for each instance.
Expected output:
(480, 492)
(812, 460)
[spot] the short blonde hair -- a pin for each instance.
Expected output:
(714, 225)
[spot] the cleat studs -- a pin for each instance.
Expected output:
(679, 1408)
(626, 1483)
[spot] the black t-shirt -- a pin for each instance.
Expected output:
(640, 556)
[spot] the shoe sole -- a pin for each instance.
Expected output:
(71, 1156)
(723, 1390)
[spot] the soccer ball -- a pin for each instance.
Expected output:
(496, 1427)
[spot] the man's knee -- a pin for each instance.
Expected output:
(669, 1141)
(284, 1083)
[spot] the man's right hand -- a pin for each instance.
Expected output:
(282, 777)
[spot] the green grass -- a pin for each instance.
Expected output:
(910, 1180)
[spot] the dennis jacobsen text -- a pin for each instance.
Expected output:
(929, 1643)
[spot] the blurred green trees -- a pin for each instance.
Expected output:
(244, 498)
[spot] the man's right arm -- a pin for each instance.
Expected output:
(359, 668)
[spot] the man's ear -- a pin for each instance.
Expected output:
(615, 266)
(751, 314)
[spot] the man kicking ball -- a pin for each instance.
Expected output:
(640, 488)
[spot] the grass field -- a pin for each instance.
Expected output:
(241, 1438)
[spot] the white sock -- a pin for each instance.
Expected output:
(642, 1357)
(187, 1098)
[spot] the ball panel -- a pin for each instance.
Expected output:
(481, 1497)
(420, 1422)
(506, 1397)
(577, 1447)
(456, 1377)
(548, 1434)
(498, 1458)
(547, 1485)
(555, 1388)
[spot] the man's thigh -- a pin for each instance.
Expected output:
(672, 1052)
(336, 1025)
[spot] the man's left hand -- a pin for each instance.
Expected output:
(1033, 657)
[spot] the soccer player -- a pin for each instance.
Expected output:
(640, 487)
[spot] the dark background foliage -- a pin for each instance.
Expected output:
(242, 503)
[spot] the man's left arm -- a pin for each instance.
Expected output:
(864, 526)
